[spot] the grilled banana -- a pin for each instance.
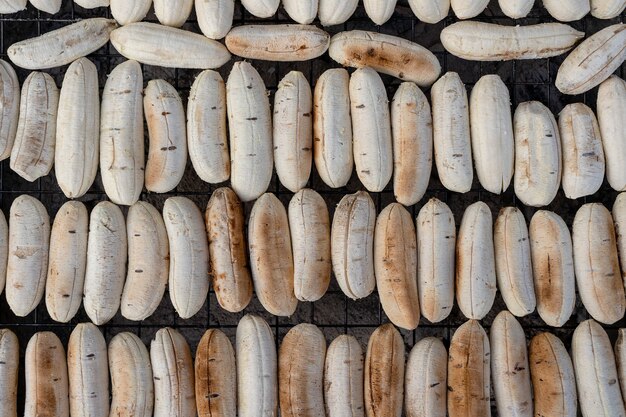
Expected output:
(343, 378)
(215, 370)
(10, 109)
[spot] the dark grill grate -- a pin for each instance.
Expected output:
(334, 313)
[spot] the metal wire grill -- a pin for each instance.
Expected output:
(334, 313)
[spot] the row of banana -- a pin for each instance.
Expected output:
(304, 378)
(215, 17)
(592, 62)
(349, 117)
(290, 253)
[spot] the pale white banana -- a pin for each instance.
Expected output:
(207, 138)
(480, 41)
(167, 153)
(309, 225)
(430, 11)
(386, 54)
(553, 267)
(371, 127)
(436, 244)
(596, 374)
(261, 8)
(469, 371)
(9, 367)
(509, 367)
(552, 373)
(27, 266)
(92, 4)
(611, 108)
(384, 373)
(62, 46)
(47, 390)
(293, 131)
(173, 374)
(271, 256)
(302, 11)
(165, 46)
(567, 11)
(596, 263)
(491, 126)
(148, 262)
(607, 9)
(538, 163)
(336, 12)
(451, 133)
(9, 108)
(48, 6)
(121, 134)
(250, 129)
(215, 17)
(426, 385)
(257, 375)
(173, 12)
(32, 155)
(395, 266)
(332, 128)
(67, 261)
(107, 250)
(619, 220)
(188, 281)
(126, 12)
(301, 377)
(286, 43)
(352, 244)
(343, 378)
(132, 388)
(4, 249)
(224, 218)
(379, 11)
(516, 9)
(412, 133)
(77, 148)
(593, 61)
(583, 156)
(467, 9)
(620, 359)
(88, 371)
(475, 264)
(514, 268)
(14, 6)
(216, 376)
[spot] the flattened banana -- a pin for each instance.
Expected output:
(425, 383)
(343, 378)
(9, 107)
(216, 376)
(611, 108)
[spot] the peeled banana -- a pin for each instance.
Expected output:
(173, 12)
(293, 131)
(425, 383)
(9, 367)
(538, 164)
(261, 8)
(451, 133)
(343, 378)
(336, 12)
(215, 17)
(77, 149)
(302, 11)
(607, 9)
(126, 12)
(271, 256)
(167, 153)
(215, 370)
(619, 219)
(67, 261)
(395, 266)
(596, 263)
(429, 11)
(301, 377)
(611, 108)
(32, 155)
(188, 281)
(352, 244)
(224, 218)
(516, 9)
(436, 244)
(567, 11)
(379, 11)
(10, 108)
(47, 6)
(309, 225)
(107, 249)
(475, 263)
(467, 9)
(27, 266)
